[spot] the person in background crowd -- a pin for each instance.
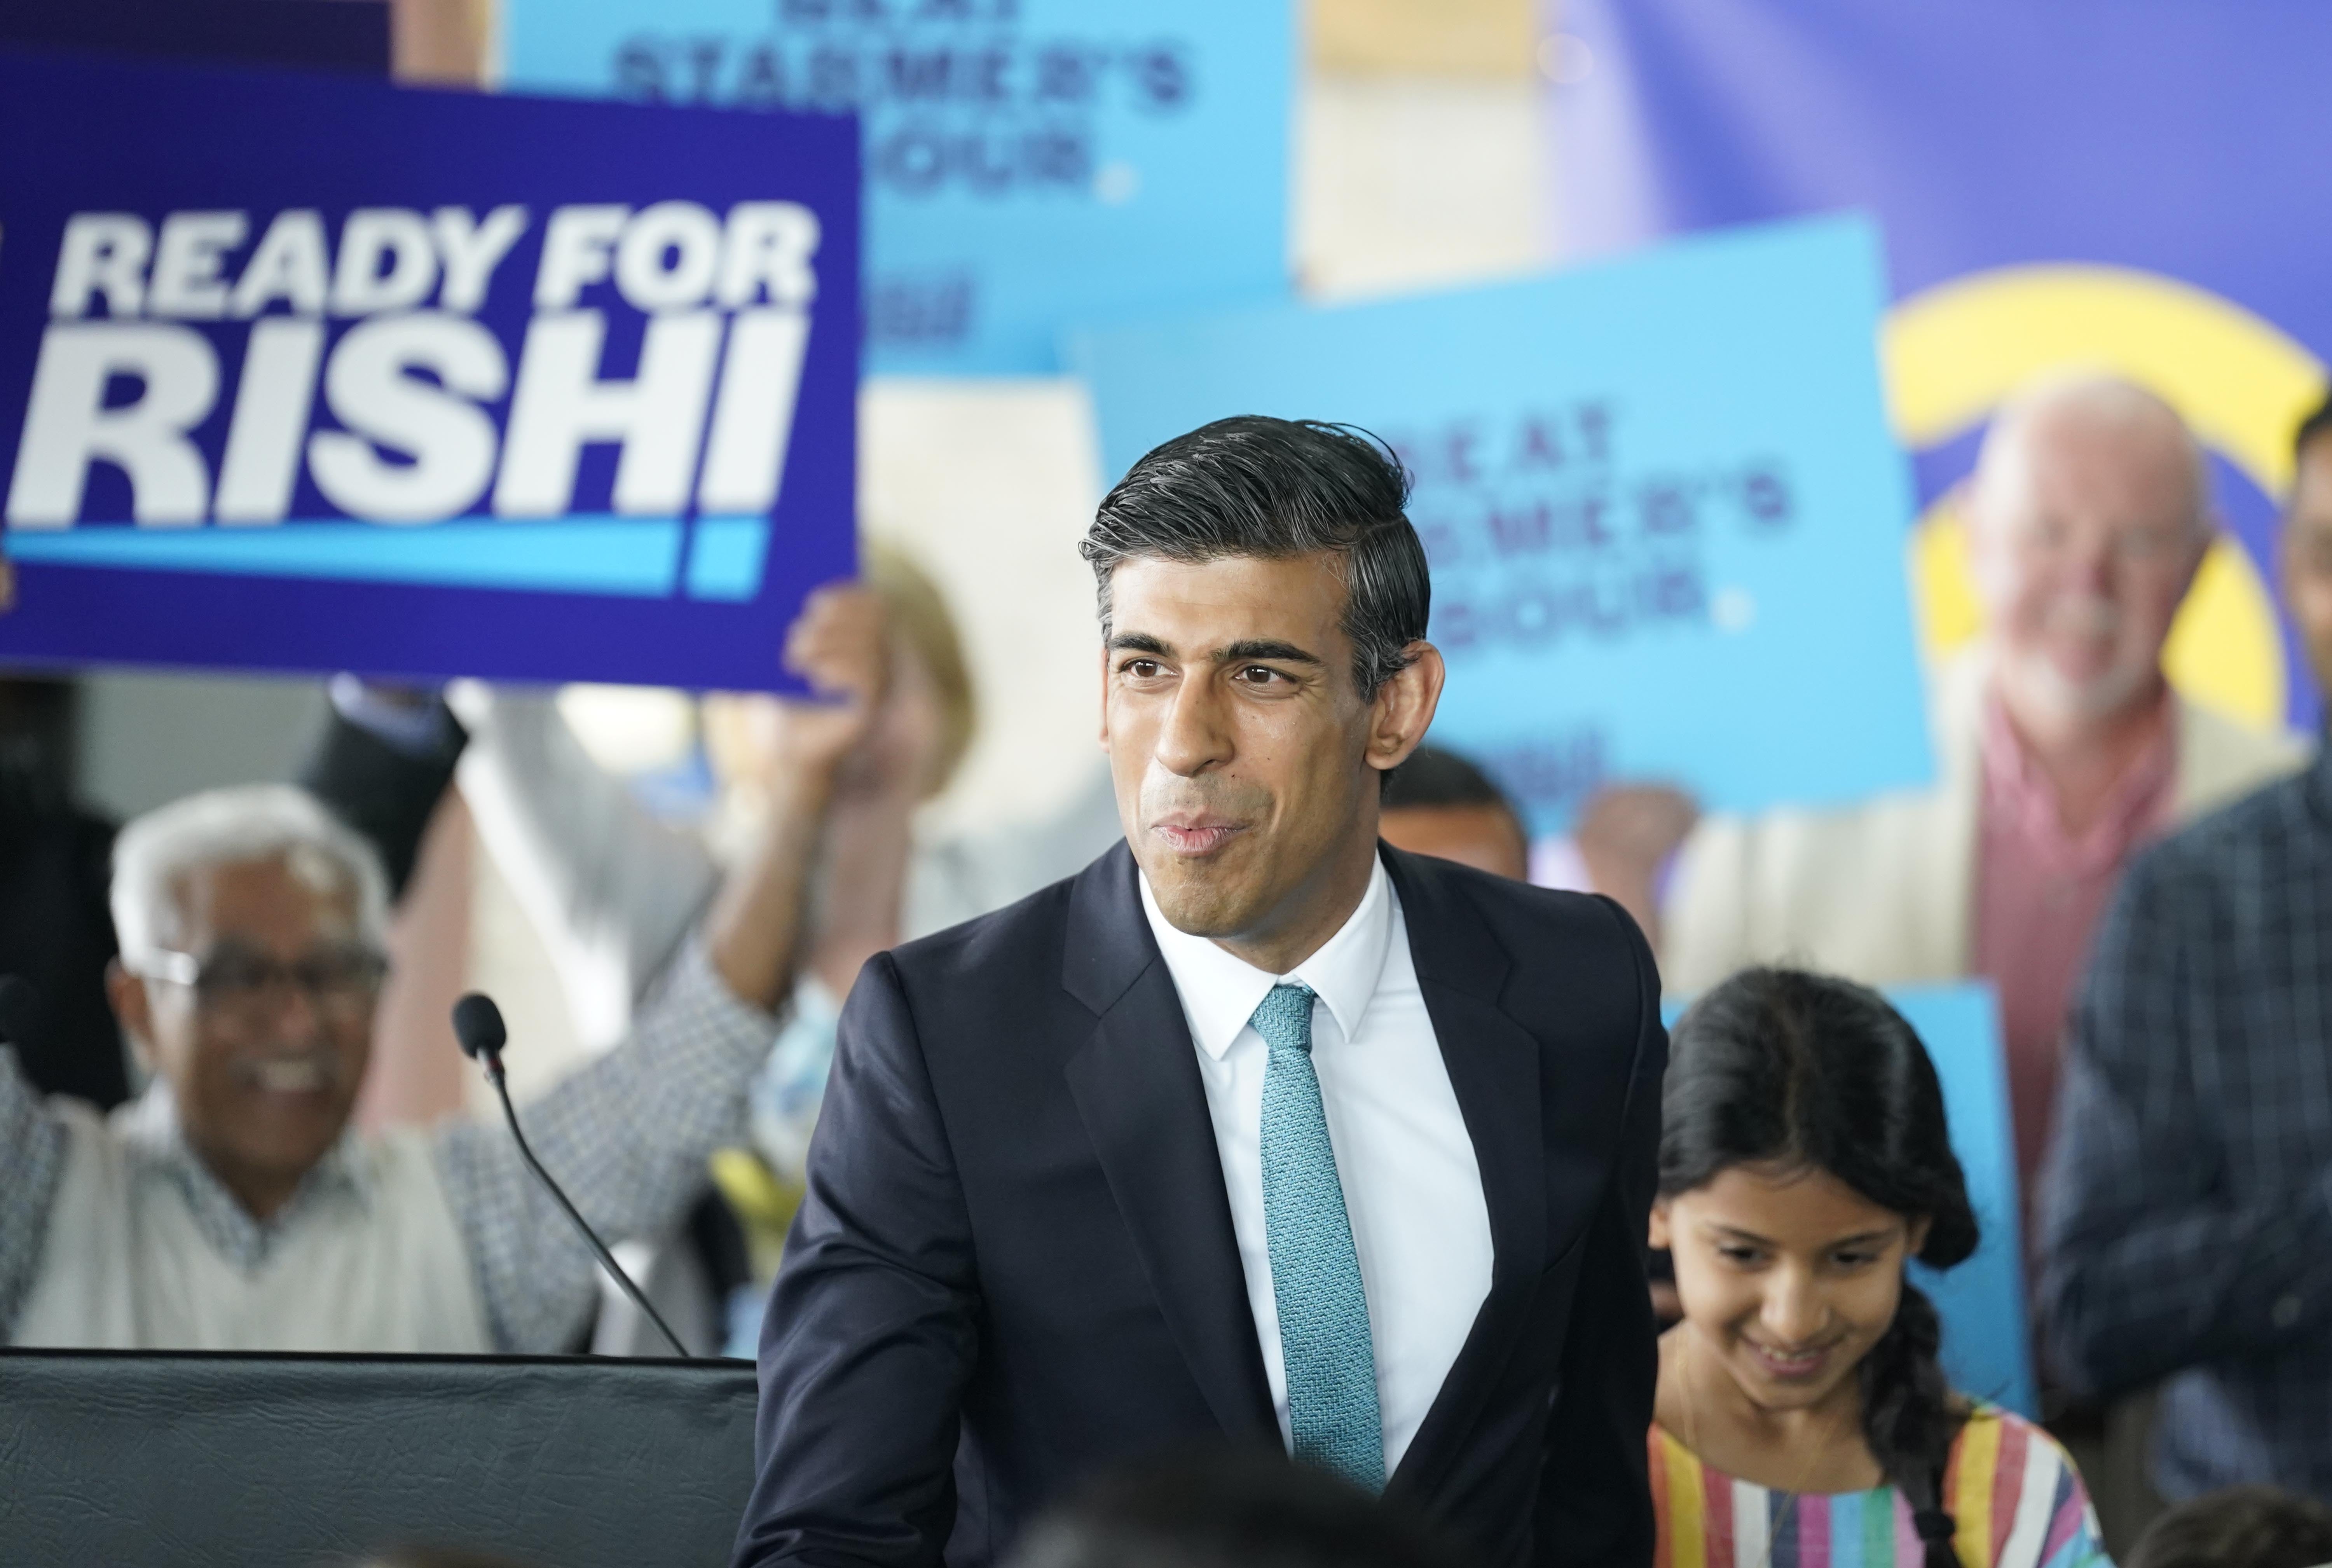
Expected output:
(615, 891)
(618, 890)
(229, 1208)
(55, 931)
(384, 759)
(2059, 746)
(2186, 1212)
(1079, 1194)
(1228, 1508)
(2238, 1527)
(619, 886)
(1438, 803)
(1803, 1417)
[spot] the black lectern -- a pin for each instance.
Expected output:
(156, 1459)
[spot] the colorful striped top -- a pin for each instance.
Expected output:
(2017, 1497)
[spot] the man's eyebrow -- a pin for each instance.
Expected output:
(1267, 648)
(1137, 642)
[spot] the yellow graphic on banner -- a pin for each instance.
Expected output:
(1953, 352)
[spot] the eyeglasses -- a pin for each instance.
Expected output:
(337, 980)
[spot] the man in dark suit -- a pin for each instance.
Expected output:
(1256, 1131)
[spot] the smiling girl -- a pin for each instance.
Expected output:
(1803, 1419)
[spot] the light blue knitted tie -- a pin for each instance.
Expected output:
(1315, 1275)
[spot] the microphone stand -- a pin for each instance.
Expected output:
(493, 1061)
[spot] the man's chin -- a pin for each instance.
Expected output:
(1197, 897)
(2087, 695)
(292, 1138)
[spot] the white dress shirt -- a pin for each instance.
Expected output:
(1412, 1186)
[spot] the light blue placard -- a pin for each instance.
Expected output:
(1030, 164)
(1987, 1338)
(1665, 515)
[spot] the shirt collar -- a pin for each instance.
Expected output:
(150, 1132)
(2025, 802)
(1220, 991)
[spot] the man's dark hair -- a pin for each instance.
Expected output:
(2238, 1527)
(2317, 423)
(1228, 1508)
(1273, 489)
(1433, 778)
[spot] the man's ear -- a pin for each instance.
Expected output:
(132, 1008)
(1404, 707)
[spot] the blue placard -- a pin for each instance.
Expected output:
(1031, 164)
(1664, 513)
(2080, 182)
(1987, 1337)
(306, 373)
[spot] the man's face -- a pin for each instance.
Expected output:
(1245, 761)
(2306, 551)
(1486, 838)
(2084, 545)
(264, 1071)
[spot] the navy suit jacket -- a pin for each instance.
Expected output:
(1016, 1263)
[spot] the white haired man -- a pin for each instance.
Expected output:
(230, 1207)
(2060, 749)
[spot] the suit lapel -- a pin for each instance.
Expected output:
(1136, 1086)
(1494, 1065)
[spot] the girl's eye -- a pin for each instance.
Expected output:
(1741, 1254)
(1855, 1259)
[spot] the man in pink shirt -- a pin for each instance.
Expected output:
(2061, 749)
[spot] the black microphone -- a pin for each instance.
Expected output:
(478, 1024)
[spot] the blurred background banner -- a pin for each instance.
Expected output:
(1029, 163)
(347, 35)
(439, 385)
(2106, 183)
(1659, 496)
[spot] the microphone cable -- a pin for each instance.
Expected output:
(478, 1024)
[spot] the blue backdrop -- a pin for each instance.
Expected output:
(2172, 138)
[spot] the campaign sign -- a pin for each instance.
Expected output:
(1663, 514)
(1031, 164)
(1987, 1335)
(310, 373)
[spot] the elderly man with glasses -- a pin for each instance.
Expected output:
(231, 1207)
